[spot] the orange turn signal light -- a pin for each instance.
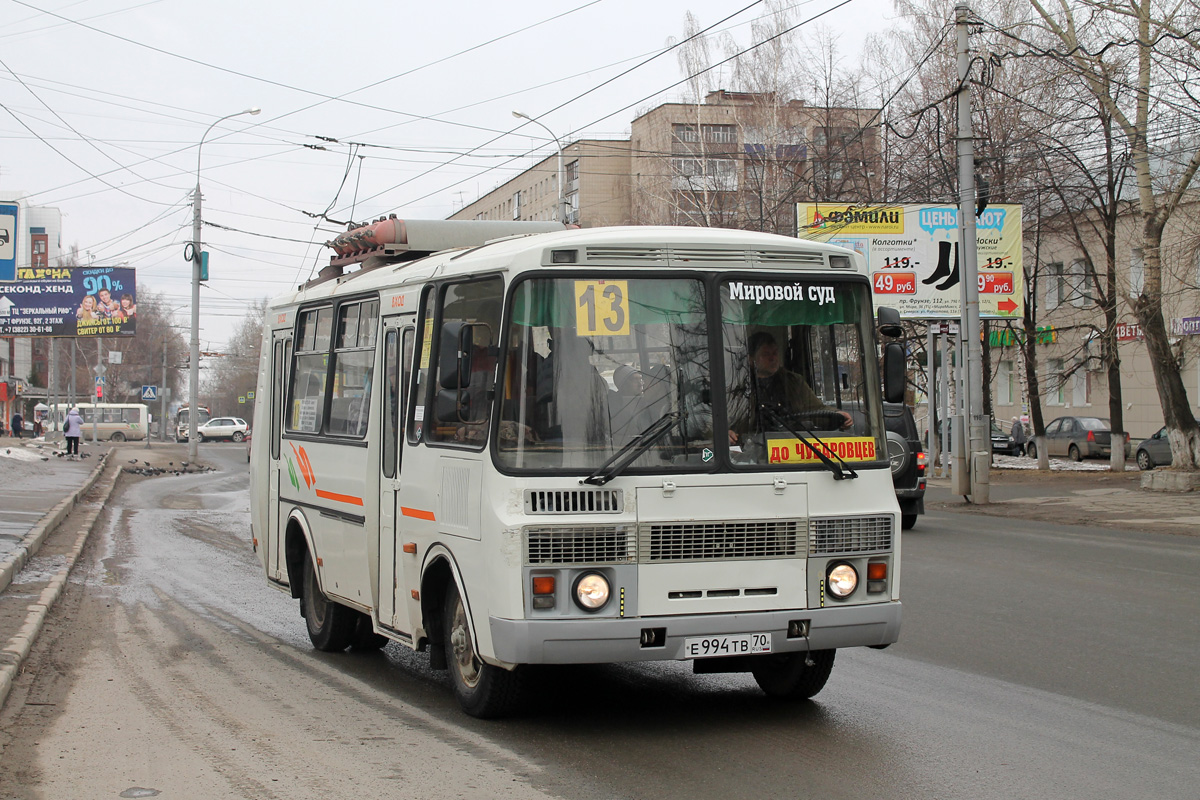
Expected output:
(876, 571)
(543, 584)
(410, 548)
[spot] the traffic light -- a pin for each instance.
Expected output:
(99, 393)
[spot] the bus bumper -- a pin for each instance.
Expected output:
(601, 641)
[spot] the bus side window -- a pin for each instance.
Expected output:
(420, 384)
(276, 397)
(391, 401)
(466, 361)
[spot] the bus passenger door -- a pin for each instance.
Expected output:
(281, 351)
(397, 358)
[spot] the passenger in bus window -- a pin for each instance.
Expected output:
(627, 404)
(768, 383)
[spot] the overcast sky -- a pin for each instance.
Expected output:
(104, 102)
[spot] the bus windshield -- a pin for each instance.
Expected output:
(592, 363)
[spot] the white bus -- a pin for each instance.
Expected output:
(585, 446)
(115, 422)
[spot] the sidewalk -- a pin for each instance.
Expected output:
(33, 480)
(1098, 498)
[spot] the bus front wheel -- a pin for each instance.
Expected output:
(331, 626)
(788, 676)
(483, 690)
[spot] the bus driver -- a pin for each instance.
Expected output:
(774, 386)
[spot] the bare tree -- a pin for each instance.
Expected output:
(235, 372)
(1166, 48)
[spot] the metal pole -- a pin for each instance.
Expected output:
(194, 366)
(562, 186)
(931, 395)
(162, 398)
(96, 400)
(980, 436)
(71, 379)
(52, 387)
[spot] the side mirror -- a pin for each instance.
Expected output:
(888, 319)
(454, 355)
(894, 375)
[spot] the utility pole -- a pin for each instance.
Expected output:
(979, 454)
(162, 398)
(100, 370)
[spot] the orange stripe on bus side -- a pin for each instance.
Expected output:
(418, 513)
(341, 498)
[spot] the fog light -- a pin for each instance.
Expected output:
(543, 601)
(842, 580)
(591, 591)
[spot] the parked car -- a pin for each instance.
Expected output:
(233, 428)
(1155, 451)
(908, 461)
(1078, 438)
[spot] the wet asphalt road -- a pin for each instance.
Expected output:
(1034, 661)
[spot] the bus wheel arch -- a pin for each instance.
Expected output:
(436, 578)
(296, 546)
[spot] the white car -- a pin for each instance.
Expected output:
(223, 428)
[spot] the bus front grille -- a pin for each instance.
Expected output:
(574, 501)
(582, 544)
(835, 535)
(726, 540)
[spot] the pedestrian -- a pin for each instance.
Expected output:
(18, 424)
(1018, 434)
(71, 430)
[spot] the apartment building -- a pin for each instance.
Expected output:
(738, 160)
(596, 180)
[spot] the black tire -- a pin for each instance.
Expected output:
(1144, 461)
(238, 436)
(365, 637)
(331, 626)
(483, 690)
(1031, 450)
(1074, 454)
(117, 437)
(787, 677)
(907, 521)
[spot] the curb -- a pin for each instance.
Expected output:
(14, 653)
(32, 541)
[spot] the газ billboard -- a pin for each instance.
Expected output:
(912, 253)
(69, 301)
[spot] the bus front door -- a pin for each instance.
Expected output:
(394, 571)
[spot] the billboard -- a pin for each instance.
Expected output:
(8, 241)
(69, 301)
(912, 254)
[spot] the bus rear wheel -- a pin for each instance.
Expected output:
(788, 676)
(483, 690)
(117, 437)
(331, 626)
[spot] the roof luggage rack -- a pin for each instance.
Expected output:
(389, 240)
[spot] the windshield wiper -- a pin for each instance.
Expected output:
(639, 444)
(838, 472)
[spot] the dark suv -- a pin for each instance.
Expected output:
(908, 461)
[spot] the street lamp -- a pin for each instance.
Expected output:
(562, 186)
(194, 366)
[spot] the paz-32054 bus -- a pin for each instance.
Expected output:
(582, 446)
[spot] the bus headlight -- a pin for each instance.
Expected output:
(591, 591)
(842, 580)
